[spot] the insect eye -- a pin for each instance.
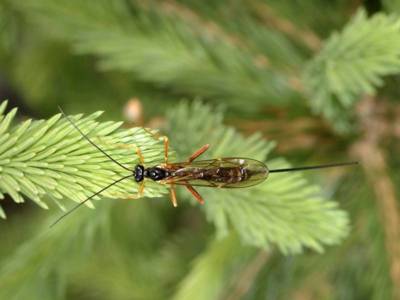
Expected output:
(139, 170)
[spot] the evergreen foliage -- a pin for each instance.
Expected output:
(320, 78)
(285, 209)
(352, 64)
(185, 60)
(39, 269)
(51, 158)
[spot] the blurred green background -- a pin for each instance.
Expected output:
(320, 79)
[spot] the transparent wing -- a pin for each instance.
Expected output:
(228, 172)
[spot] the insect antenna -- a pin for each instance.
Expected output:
(90, 141)
(87, 199)
(103, 189)
(314, 167)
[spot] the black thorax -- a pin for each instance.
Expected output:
(154, 173)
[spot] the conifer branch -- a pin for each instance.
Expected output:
(49, 159)
(285, 210)
(182, 59)
(351, 64)
(252, 56)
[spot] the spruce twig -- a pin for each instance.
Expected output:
(51, 160)
(351, 64)
(122, 42)
(285, 210)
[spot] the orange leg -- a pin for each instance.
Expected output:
(195, 194)
(166, 145)
(140, 155)
(173, 196)
(140, 190)
(155, 136)
(138, 195)
(198, 153)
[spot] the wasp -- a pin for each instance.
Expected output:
(226, 172)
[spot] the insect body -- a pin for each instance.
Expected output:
(228, 172)
(231, 172)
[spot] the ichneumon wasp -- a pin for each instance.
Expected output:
(226, 172)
